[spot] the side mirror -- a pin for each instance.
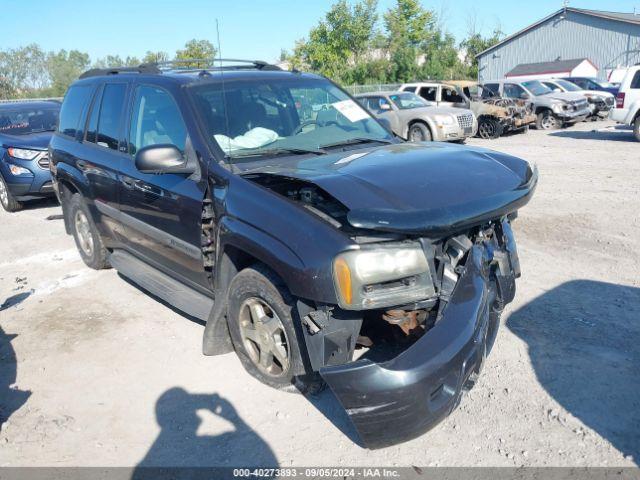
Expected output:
(524, 96)
(385, 106)
(557, 90)
(162, 158)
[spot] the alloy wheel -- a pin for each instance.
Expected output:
(4, 194)
(487, 130)
(415, 135)
(264, 337)
(548, 122)
(83, 230)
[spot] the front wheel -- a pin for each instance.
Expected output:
(547, 121)
(86, 235)
(261, 323)
(489, 128)
(636, 128)
(7, 200)
(419, 132)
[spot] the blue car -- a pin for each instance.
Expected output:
(25, 131)
(588, 83)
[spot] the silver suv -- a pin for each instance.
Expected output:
(552, 109)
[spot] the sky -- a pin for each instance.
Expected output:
(256, 29)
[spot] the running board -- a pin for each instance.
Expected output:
(161, 285)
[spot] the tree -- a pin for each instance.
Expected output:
(64, 67)
(155, 57)
(339, 41)
(475, 43)
(23, 69)
(197, 50)
(410, 27)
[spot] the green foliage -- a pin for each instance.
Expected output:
(197, 50)
(64, 67)
(23, 69)
(476, 43)
(155, 57)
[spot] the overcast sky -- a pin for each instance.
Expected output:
(256, 29)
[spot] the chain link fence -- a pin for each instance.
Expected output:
(379, 87)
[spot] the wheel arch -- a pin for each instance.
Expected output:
(424, 122)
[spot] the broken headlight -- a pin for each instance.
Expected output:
(382, 276)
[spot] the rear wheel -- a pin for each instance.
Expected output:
(636, 128)
(546, 120)
(7, 200)
(86, 235)
(419, 132)
(489, 128)
(261, 316)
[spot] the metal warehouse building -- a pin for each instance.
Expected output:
(607, 39)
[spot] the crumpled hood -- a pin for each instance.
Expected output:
(566, 96)
(34, 141)
(415, 187)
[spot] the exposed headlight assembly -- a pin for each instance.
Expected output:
(559, 107)
(23, 154)
(382, 276)
(444, 119)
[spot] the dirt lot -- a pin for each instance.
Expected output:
(106, 375)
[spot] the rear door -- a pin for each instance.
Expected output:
(162, 213)
(449, 97)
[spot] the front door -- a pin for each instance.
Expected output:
(162, 213)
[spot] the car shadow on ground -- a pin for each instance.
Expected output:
(14, 300)
(40, 203)
(616, 135)
(11, 398)
(583, 339)
(180, 445)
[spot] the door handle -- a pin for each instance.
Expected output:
(146, 188)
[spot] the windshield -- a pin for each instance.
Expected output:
(537, 88)
(408, 100)
(568, 86)
(22, 120)
(280, 116)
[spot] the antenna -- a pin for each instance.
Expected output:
(224, 94)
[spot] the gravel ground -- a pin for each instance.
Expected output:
(93, 372)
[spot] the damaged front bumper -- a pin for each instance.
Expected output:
(400, 399)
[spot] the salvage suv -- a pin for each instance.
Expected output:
(552, 109)
(311, 240)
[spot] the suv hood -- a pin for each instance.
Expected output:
(565, 96)
(33, 141)
(429, 188)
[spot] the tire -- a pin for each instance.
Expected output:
(255, 293)
(419, 132)
(636, 128)
(546, 120)
(7, 200)
(489, 128)
(88, 239)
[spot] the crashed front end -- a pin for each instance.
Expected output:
(420, 290)
(517, 114)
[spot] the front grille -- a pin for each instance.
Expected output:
(580, 104)
(43, 161)
(465, 121)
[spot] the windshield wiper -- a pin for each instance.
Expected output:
(356, 141)
(280, 151)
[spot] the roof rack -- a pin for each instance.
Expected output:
(189, 65)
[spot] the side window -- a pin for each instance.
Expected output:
(410, 89)
(92, 125)
(451, 95)
(581, 83)
(513, 91)
(110, 118)
(72, 110)
(428, 93)
(490, 90)
(155, 120)
(635, 82)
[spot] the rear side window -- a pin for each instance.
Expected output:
(72, 110)
(410, 89)
(110, 117)
(155, 120)
(429, 93)
(635, 82)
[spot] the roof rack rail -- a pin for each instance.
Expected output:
(188, 65)
(144, 68)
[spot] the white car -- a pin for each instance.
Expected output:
(627, 109)
(600, 103)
